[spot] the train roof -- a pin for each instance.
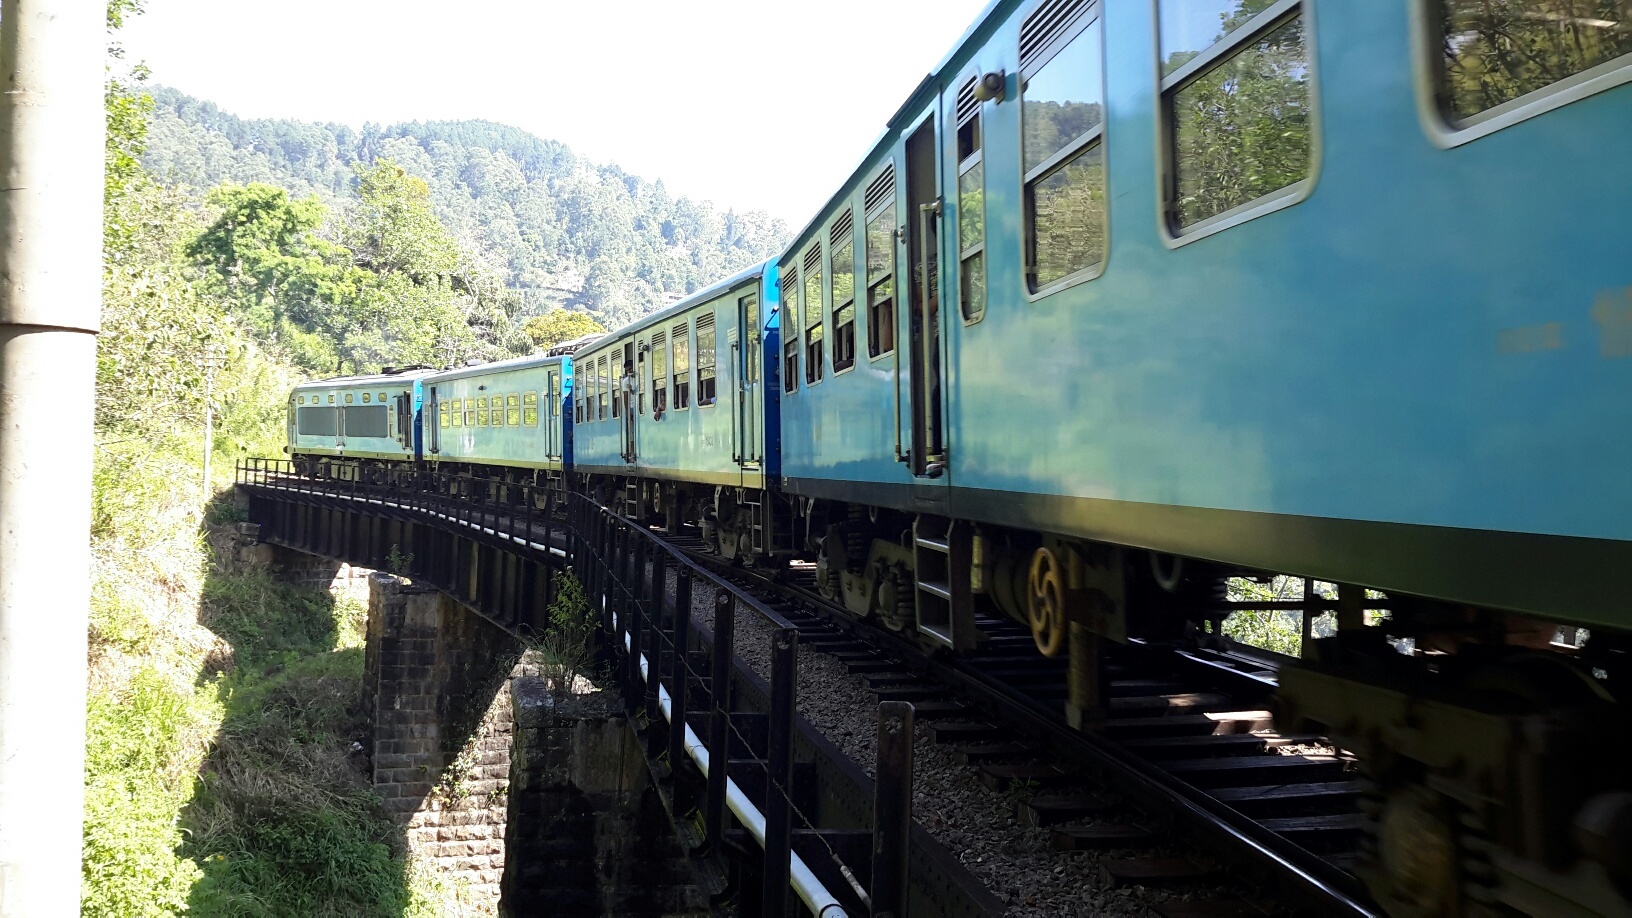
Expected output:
(369, 379)
(498, 366)
(696, 299)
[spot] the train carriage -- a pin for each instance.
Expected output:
(338, 427)
(505, 420)
(1135, 296)
(677, 413)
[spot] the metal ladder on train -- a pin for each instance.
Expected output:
(758, 520)
(629, 500)
(942, 554)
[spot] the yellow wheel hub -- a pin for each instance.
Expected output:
(1045, 603)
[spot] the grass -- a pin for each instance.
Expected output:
(223, 707)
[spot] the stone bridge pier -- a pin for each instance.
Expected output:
(525, 798)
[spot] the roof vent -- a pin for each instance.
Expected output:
(881, 189)
(1044, 24)
(968, 105)
(843, 228)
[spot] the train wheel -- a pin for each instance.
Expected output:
(1045, 603)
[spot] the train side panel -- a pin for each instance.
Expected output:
(505, 414)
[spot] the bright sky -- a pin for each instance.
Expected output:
(653, 85)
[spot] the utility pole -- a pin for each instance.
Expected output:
(51, 148)
(214, 359)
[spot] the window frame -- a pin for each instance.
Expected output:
(1267, 21)
(707, 318)
(1094, 12)
(1428, 69)
(831, 331)
(823, 301)
(887, 205)
(675, 380)
(793, 343)
(658, 347)
(961, 168)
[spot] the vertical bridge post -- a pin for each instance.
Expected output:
(779, 765)
(892, 809)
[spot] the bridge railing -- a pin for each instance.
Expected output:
(677, 671)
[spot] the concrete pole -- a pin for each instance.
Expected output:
(51, 139)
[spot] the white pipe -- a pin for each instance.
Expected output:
(810, 889)
(51, 148)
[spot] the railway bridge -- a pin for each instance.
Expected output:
(469, 747)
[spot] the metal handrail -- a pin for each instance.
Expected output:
(600, 545)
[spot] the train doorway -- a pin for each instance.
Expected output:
(749, 395)
(923, 221)
(629, 393)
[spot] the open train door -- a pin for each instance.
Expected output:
(920, 216)
(944, 602)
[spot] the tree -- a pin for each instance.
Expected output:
(559, 325)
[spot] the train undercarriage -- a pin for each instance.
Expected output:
(1493, 747)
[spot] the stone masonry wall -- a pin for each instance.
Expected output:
(435, 678)
(588, 834)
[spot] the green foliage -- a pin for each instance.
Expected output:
(265, 620)
(542, 226)
(142, 744)
(1280, 631)
(284, 822)
(564, 649)
(558, 326)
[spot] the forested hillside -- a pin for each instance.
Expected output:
(552, 228)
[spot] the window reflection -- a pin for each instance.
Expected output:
(1189, 27)
(1241, 129)
(1495, 51)
(1062, 113)
(971, 207)
(1069, 205)
(1064, 100)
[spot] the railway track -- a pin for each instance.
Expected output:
(1187, 783)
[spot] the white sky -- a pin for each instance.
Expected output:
(644, 83)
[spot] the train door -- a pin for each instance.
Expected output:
(433, 420)
(629, 392)
(547, 420)
(921, 217)
(750, 397)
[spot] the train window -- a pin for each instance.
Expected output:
(705, 361)
(813, 315)
(512, 410)
(1062, 114)
(880, 259)
(790, 330)
(442, 415)
(317, 422)
(470, 412)
(682, 366)
(380, 398)
(844, 292)
(1236, 95)
(529, 403)
(481, 412)
(331, 399)
(348, 398)
(368, 397)
(1495, 56)
(603, 392)
(497, 413)
(750, 318)
(660, 374)
(971, 206)
(617, 390)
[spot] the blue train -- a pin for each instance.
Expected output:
(1131, 297)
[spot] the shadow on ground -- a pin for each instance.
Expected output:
(284, 821)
